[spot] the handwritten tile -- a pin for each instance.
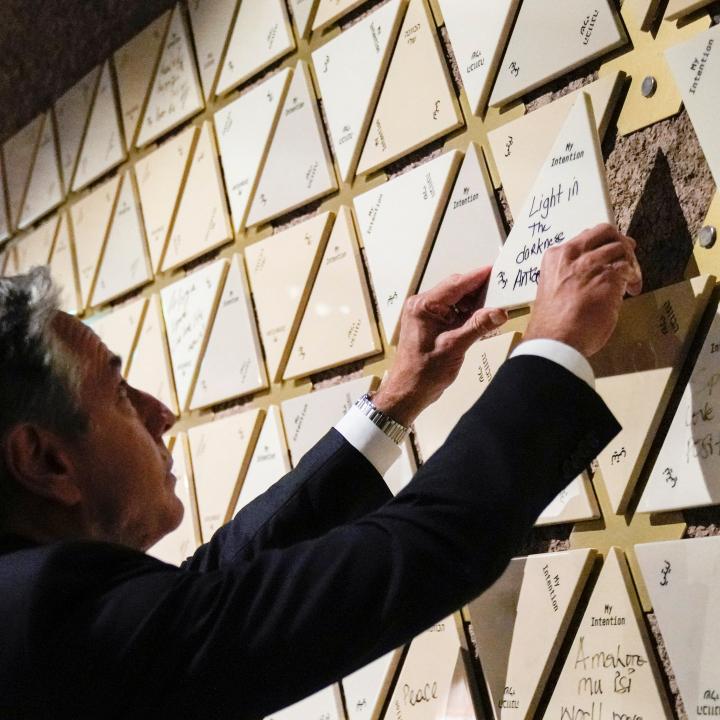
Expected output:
(417, 103)
(176, 94)
(189, 307)
(102, 148)
(18, 153)
(679, 8)
(298, 168)
(244, 128)
(34, 248)
(282, 269)
(221, 452)
(63, 268)
(398, 221)
(478, 34)
(329, 11)
(323, 705)
(520, 624)
(302, 12)
(233, 362)
(683, 579)
(569, 195)
(350, 70)
(261, 35)
(202, 222)
(338, 325)
(611, 665)
(576, 503)
(366, 689)
(574, 32)
(135, 63)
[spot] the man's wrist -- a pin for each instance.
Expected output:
(399, 406)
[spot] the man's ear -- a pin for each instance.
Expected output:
(40, 462)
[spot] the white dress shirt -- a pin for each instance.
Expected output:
(382, 452)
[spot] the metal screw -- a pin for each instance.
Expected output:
(649, 86)
(707, 236)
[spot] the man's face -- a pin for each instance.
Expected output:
(121, 463)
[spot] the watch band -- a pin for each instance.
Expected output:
(393, 429)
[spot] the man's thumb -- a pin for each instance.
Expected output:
(480, 323)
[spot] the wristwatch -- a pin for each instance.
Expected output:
(393, 429)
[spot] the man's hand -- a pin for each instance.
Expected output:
(582, 285)
(437, 328)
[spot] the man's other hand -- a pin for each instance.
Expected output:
(437, 328)
(581, 289)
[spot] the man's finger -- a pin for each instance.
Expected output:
(480, 323)
(595, 237)
(453, 289)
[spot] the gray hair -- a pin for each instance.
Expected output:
(39, 381)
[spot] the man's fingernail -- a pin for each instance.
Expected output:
(498, 317)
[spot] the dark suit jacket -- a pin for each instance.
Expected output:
(319, 576)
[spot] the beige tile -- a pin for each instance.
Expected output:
(350, 70)
(298, 168)
(135, 63)
(641, 12)
(244, 129)
(574, 33)
(281, 270)
(521, 146)
(176, 94)
(323, 705)
(330, 11)
(576, 503)
(570, 194)
(202, 222)
(302, 12)
(261, 35)
(233, 364)
(4, 218)
(417, 104)
(678, 8)
(34, 248)
(338, 325)
(610, 668)
(520, 624)
(221, 452)
(478, 33)
(471, 233)
(10, 261)
(103, 146)
(398, 221)
(366, 689)
(63, 268)
(18, 154)
(189, 307)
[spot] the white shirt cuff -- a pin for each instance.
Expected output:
(369, 439)
(560, 353)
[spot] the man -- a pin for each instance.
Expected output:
(323, 573)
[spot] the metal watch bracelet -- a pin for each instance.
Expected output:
(393, 429)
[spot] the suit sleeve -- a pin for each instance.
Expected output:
(269, 630)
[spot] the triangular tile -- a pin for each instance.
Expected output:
(244, 128)
(221, 452)
(34, 248)
(44, 191)
(202, 222)
(417, 104)
(302, 14)
(366, 689)
(695, 66)
(119, 329)
(687, 469)
(610, 669)
(269, 462)
(4, 218)
(150, 369)
(323, 705)
(189, 307)
(478, 34)
(72, 111)
(135, 64)
(91, 221)
(576, 503)
(298, 168)
(281, 270)
(10, 267)
(521, 146)
(63, 268)
(176, 94)
(570, 194)
(329, 11)
(19, 153)
(350, 70)
(176, 547)
(261, 35)
(471, 233)
(5, 258)
(338, 325)
(679, 8)
(575, 32)
(520, 623)
(103, 147)
(125, 264)
(233, 363)
(683, 579)
(210, 21)
(641, 13)
(636, 374)
(161, 176)
(398, 221)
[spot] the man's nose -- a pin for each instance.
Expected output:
(157, 416)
